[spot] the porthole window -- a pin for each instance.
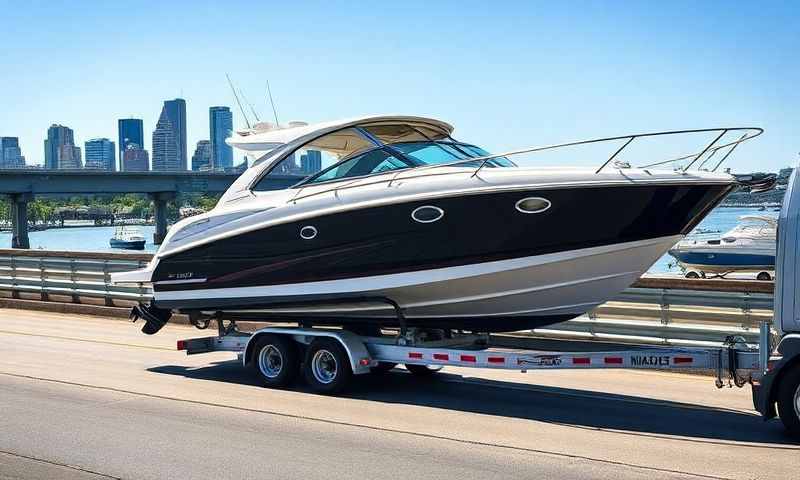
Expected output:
(308, 232)
(427, 214)
(533, 205)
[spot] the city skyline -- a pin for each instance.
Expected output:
(557, 73)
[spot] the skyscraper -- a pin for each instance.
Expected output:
(131, 130)
(165, 145)
(10, 153)
(134, 159)
(311, 161)
(57, 136)
(176, 111)
(100, 154)
(69, 157)
(201, 160)
(220, 121)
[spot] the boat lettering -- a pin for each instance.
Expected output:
(652, 360)
(180, 276)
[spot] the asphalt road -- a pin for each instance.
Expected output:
(87, 398)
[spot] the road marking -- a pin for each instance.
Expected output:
(76, 339)
(58, 464)
(382, 429)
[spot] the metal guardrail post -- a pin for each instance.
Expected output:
(109, 301)
(14, 284)
(74, 281)
(43, 294)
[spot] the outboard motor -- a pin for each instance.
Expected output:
(155, 318)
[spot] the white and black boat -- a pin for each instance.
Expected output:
(389, 221)
(127, 237)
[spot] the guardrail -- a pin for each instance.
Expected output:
(654, 310)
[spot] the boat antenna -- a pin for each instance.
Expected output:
(237, 101)
(247, 102)
(274, 112)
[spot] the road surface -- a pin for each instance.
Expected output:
(90, 398)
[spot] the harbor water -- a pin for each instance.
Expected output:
(95, 239)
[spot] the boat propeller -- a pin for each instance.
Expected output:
(155, 318)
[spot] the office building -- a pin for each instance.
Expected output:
(220, 121)
(201, 160)
(69, 157)
(130, 130)
(57, 136)
(134, 159)
(10, 153)
(165, 145)
(100, 154)
(176, 112)
(311, 161)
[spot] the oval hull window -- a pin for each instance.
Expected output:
(308, 232)
(427, 214)
(533, 205)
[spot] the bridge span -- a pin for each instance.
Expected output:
(21, 186)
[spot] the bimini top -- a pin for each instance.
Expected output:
(265, 137)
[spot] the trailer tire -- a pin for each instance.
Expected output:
(327, 366)
(692, 274)
(764, 276)
(789, 401)
(422, 370)
(276, 360)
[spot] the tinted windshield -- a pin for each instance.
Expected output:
(407, 155)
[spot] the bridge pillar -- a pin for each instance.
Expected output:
(160, 200)
(19, 220)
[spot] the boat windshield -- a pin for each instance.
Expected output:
(399, 156)
(373, 149)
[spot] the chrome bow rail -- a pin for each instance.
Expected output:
(701, 157)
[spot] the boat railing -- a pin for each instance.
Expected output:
(700, 158)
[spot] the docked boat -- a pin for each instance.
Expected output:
(748, 247)
(127, 237)
(390, 221)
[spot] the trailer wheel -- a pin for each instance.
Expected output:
(422, 370)
(764, 276)
(327, 366)
(692, 274)
(275, 360)
(789, 401)
(382, 367)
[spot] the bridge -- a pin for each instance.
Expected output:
(21, 186)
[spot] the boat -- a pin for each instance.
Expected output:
(127, 237)
(389, 221)
(748, 247)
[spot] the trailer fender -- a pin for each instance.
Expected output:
(360, 359)
(765, 394)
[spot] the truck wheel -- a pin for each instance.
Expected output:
(327, 366)
(382, 367)
(275, 360)
(789, 401)
(764, 276)
(422, 370)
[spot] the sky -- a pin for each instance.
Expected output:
(507, 75)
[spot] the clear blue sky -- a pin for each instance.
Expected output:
(506, 74)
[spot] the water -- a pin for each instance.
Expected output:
(79, 239)
(95, 239)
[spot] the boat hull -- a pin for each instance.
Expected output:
(129, 245)
(484, 266)
(725, 260)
